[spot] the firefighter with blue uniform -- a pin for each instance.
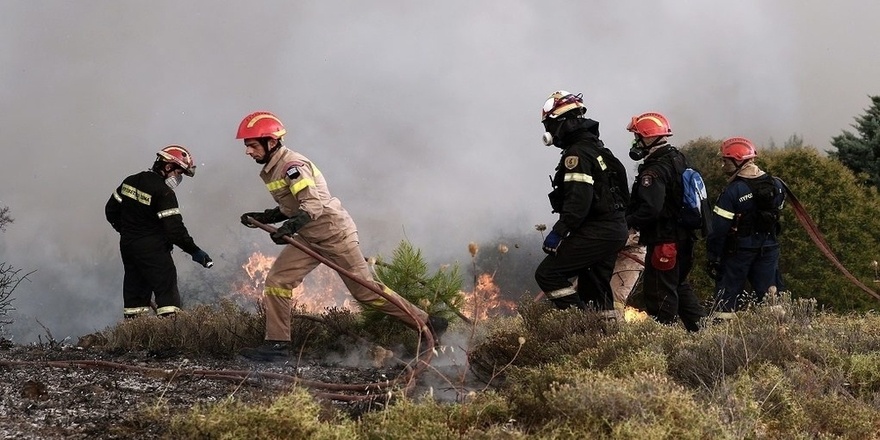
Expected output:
(590, 193)
(654, 211)
(145, 212)
(743, 244)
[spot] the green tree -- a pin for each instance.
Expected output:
(841, 204)
(860, 151)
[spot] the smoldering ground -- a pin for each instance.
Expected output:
(423, 117)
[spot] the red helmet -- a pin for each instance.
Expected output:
(738, 149)
(561, 102)
(650, 125)
(259, 125)
(179, 156)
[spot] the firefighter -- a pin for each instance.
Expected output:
(743, 244)
(590, 193)
(144, 211)
(654, 211)
(307, 208)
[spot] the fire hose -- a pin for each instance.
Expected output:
(819, 240)
(368, 391)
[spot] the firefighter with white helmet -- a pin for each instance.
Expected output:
(743, 244)
(590, 193)
(307, 208)
(654, 211)
(145, 212)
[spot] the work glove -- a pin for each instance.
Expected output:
(552, 242)
(290, 227)
(202, 258)
(713, 269)
(268, 216)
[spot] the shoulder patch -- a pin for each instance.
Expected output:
(293, 169)
(571, 162)
(647, 180)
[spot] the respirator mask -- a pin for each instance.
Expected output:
(552, 128)
(173, 180)
(637, 152)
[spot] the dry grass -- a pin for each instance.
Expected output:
(779, 371)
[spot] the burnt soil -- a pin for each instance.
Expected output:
(47, 392)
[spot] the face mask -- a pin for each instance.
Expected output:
(554, 125)
(173, 181)
(636, 152)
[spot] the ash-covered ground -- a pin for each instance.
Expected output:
(70, 392)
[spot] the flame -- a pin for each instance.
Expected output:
(322, 288)
(485, 301)
(631, 314)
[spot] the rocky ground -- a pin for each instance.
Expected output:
(70, 392)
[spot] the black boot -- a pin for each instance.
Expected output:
(270, 351)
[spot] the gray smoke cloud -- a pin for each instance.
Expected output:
(422, 116)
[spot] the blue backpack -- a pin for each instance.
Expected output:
(694, 212)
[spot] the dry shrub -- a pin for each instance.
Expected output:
(290, 416)
(483, 416)
(774, 333)
(761, 400)
(840, 416)
(550, 335)
(562, 398)
(636, 347)
(222, 330)
(202, 330)
(864, 374)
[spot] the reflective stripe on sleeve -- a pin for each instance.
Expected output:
(276, 184)
(168, 212)
(578, 177)
(301, 184)
(723, 213)
(117, 196)
(136, 194)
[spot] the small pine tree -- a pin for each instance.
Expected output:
(407, 274)
(860, 151)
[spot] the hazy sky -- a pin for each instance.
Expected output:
(423, 116)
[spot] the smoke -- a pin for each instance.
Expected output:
(423, 118)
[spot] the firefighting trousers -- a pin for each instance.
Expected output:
(588, 259)
(149, 270)
(667, 293)
(292, 266)
(759, 266)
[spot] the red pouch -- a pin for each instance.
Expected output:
(664, 256)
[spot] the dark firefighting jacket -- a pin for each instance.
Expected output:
(589, 188)
(736, 222)
(144, 207)
(656, 198)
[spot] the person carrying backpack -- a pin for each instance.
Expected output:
(743, 244)
(590, 193)
(655, 210)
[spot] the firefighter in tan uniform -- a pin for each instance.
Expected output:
(307, 209)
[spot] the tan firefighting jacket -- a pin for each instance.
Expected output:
(296, 184)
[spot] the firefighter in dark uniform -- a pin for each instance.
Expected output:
(654, 212)
(145, 212)
(590, 193)
(743, 244)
